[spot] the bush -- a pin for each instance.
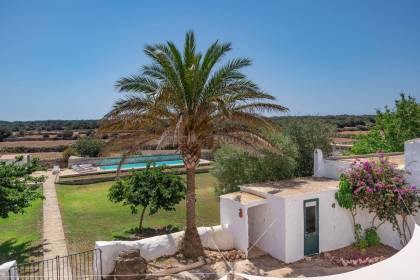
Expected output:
(308, 134)
(4, 133)
(68, 152)
(88, 147)
(67, 133)
(234, 167)
(372, 237)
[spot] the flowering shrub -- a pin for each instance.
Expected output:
(379, 187)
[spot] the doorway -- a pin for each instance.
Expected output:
(311, 226)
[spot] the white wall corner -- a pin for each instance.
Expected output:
(318, 163)
(412, 161)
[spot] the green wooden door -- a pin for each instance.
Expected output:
(311, 226)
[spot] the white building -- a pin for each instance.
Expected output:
(293, 218)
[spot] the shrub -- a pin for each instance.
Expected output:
(88, 147)
(67, 133)
(372, 237)
(234, 166)
(308, 134)
(68, 152)
(4, 133)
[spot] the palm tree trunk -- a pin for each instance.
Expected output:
(191, 245)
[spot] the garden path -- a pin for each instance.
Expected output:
(52, 230)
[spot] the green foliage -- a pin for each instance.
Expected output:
(150, 188)
(67, 133)
(4, 133)
(346, 122)
(17, 187)
(235, 167)
(308, 134)
(344, 195)
(68, 152)
(49, 125)
(372, 237)
(392, 129)
(88, 147)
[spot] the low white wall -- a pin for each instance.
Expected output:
(6, 268)
(163, 245)
(229, 215)
(328, 168)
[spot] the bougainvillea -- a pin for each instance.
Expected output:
(379, 187)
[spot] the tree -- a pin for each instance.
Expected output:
(150, 188)
(17, 187)
(392, 129)
(67, 133)
(235, 166)
(4, 133)
(181, 99)
(87, 147)
(308, 134)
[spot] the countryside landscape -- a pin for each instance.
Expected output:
(196, 154)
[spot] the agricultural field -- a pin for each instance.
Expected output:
(36, 144)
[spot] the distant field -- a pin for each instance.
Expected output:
(88, 215)
(48, 156)
(36, 144)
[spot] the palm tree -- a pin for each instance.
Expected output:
(183, 100)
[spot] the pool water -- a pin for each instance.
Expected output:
(141, 165)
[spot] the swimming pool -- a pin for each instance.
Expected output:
(141, 165)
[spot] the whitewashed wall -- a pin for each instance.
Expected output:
(328, 168)
(216, 237)
(412, 161)
(335, 227)
(266, 222)
(4, 271)
(229, 215)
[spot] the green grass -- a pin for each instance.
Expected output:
(89, 216)
(20, 235)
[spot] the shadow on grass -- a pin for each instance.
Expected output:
(21, 252)
(134, 233)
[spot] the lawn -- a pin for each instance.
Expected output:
(20, 235)
(88, 215)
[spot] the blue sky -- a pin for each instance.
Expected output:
(60, 59)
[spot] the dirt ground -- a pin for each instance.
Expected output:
(262, 264)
